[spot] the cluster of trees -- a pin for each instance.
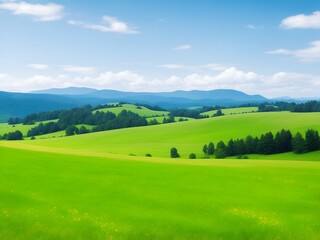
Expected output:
(17, 135)
(311, 106)
(187, 113)
(125, 119)
(283, 141)
(100, 106)
(35, 117)
(155, 108)
(102, 121)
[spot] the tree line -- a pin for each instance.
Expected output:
(283, 141)
(310, 106)
(102, 121)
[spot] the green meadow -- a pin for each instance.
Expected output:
(229, 111)
(65, 196)
(100, 185)
(188, 137)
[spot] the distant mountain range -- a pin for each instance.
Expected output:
(21, 104)
(176, 99)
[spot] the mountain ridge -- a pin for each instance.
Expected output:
(21, 104)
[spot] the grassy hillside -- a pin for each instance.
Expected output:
(62, 196)
(6, 128)
(229, 111)
(141, 111)
(187, 136)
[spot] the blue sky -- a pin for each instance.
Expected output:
(265, 47)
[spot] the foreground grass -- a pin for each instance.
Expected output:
(64, 196)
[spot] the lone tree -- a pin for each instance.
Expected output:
(218, 113)
(210, 150)
(174, 153)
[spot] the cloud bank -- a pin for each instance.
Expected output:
(293, 84)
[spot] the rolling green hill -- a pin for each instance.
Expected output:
(187, 136)
(229, 111)
(141, 111)
(5, 127)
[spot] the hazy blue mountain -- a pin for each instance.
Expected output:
(21, 104)
(67, 91)
(179, 99)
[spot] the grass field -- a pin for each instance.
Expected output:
(65, 196)
(229, 111)
(143, 112)
(311, 156)
(187, 136)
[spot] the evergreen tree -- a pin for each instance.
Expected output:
(240, 147)
(266, 144)
(230, 148)
(205, 149)
(221, 150)
(283, 141)
(298, 143)
(210, 148)
(312, 140)
(251, 145)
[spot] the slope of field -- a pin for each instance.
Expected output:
(62, 196)
(229, 111)
(141, 111)
(187, 136)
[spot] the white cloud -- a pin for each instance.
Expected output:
(274, 85)
(109, 24)
(280, 51)
(78, 69)
(309, 54)
(183, 47)
(38, 66)
(302, 21)
(40, 12)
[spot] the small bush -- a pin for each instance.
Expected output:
(192, 156)
(148, 155)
